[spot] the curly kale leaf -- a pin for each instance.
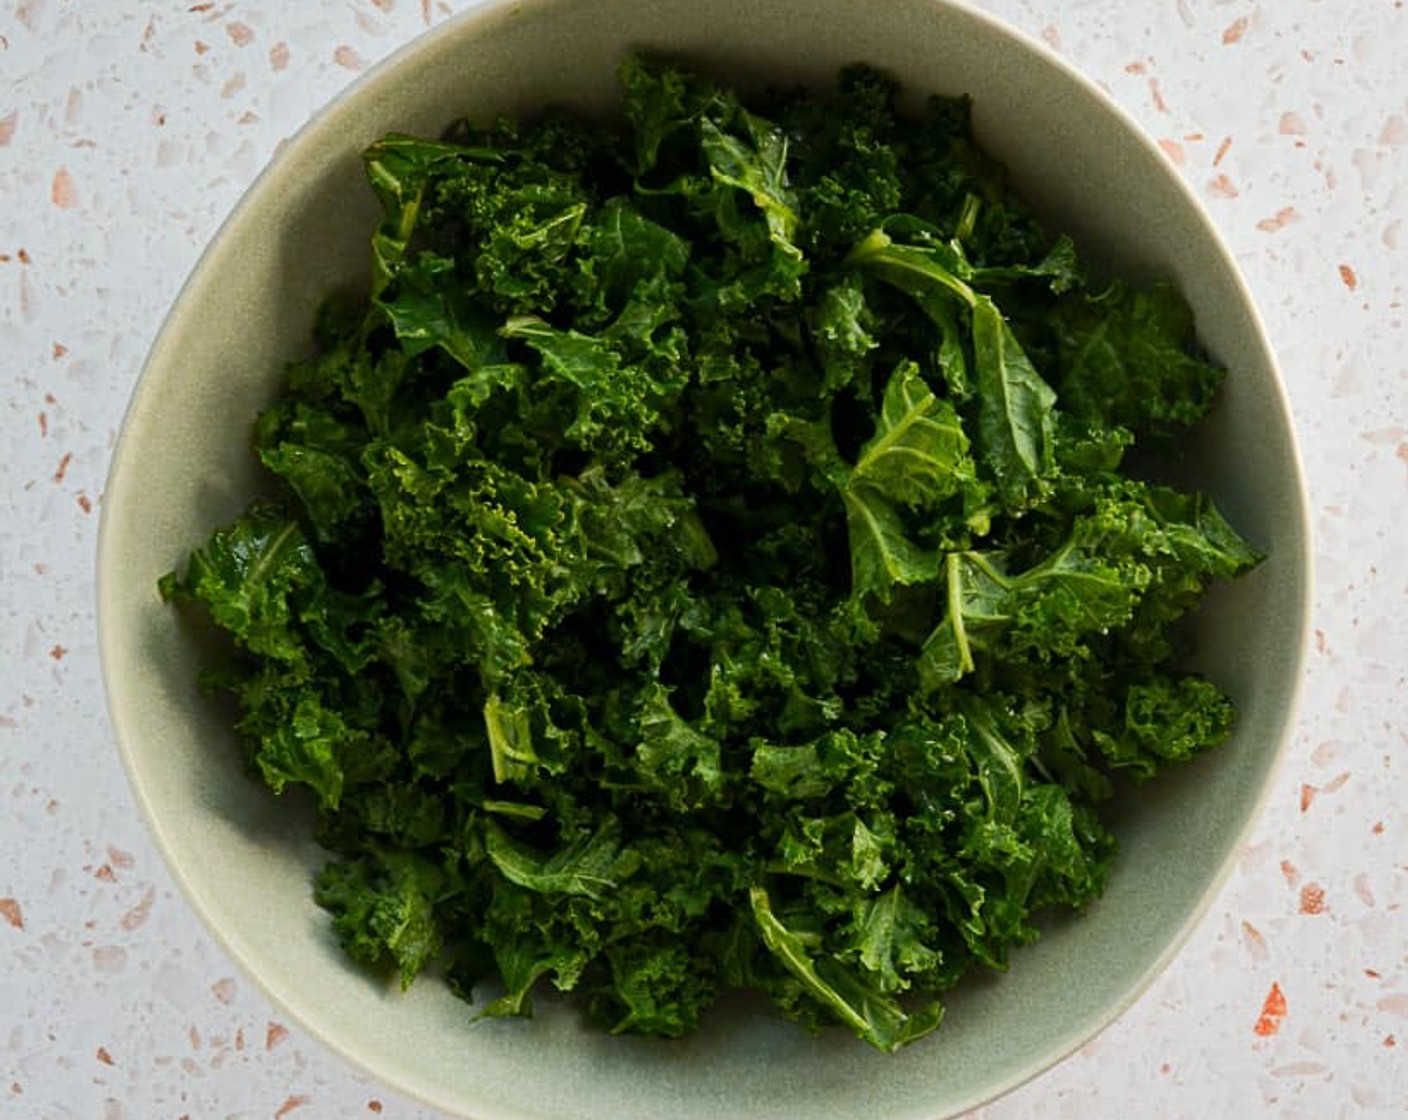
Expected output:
(382, 908)
(1144, 549)
(1015, 407)
(1126, 357)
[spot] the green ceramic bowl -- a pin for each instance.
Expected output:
(183, 465)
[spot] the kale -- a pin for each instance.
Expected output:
(705, 560)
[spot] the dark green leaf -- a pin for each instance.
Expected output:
(1126, 358)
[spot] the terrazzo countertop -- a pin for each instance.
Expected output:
(128, 129)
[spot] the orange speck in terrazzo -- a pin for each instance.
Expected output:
(1351, 281)
(1174, 150)
(11, 912)
(1135, 68)
(62, 468)
(7, 127)
(1256, 941)
(278, 55)
(1273, 1010)
(1222, 187)
(201, 47)
(109, 958)
(1363, 890)
(1235, 31)
(1307, 795)
(120, 859)
(1378, 829)
(58, 653)
(223, 990)
(59, 350)
(1282, 218)
(374, 1106)
(1402, 452)
(1396, 1004)
(385, 5)
(239, 33)
(85, 503)
(105, 874)
(43, 423)
(1158, 98)
(62, 192)
(1373, 974)
(1390, 1041)
(1292, 125)
(104, 1057)
(296, 1101)
(1291, 872)
(1222, 150)
(347, 58)
(276, 1033)
(23, 256)
(1052, 34)
(1312, 899)
(138, 915)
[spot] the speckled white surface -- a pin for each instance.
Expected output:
(128, 129)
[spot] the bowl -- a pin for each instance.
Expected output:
(182, 466)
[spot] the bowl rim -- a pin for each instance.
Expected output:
(461, 23)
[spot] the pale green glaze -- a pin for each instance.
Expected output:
(182, 466)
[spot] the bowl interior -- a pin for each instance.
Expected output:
(182, 467)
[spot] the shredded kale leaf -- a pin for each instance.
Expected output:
(704, 560)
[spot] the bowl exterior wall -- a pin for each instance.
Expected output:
(183, 466)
